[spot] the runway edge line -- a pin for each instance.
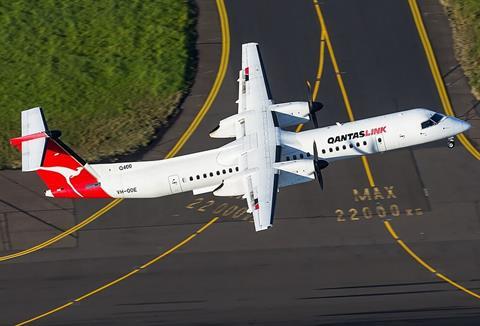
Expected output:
(177, 147)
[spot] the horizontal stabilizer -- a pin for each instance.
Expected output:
(33, 140)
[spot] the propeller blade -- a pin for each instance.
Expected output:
(320, 180)
(312, 106)
(318, 165)
(313, 117)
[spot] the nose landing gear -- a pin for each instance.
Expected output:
(451, 142)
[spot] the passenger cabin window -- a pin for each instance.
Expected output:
(434, 119)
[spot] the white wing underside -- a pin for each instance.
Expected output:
(260, 179)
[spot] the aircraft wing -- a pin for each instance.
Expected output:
(256, 145)
(253, 84)
(260, 139)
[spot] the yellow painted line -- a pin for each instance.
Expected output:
(181, 142)
(206, 226)
(64, 234)
(218, 81)
(45, 314)
(299, 128)
(338, 74)
(106, 286)
(366, 166)
(425, 265)
(321, 63)
(168, 252)
(418, 259)
(458, 286)
(442, 92)
(120, 279)
(391, 230)
(318, 77)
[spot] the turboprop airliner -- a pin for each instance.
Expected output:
(262, 158)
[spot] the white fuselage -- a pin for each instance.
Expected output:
(204, 171)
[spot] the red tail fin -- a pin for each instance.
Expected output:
(64, 172)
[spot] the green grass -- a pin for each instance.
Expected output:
(107, 73)
(465, 16)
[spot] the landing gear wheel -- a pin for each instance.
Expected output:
(451, 142)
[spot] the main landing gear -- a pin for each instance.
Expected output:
(451, 142)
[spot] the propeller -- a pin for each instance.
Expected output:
(319, 165)
(313, 107)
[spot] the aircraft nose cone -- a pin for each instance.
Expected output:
(465, 125)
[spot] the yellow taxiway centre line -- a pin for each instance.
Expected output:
(442, 92)
(425, 265)
(64, 234)
(221, 75)
(318, 77)
(218, 81)
(122, 278)
(181, 142)
(447, 108)
(346, 100)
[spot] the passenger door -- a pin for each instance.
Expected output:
(174, 182)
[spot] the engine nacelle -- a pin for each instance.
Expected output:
(292, 113)
(226, 127)
(295, 172)
(230, 127)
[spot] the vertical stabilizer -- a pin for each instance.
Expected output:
(64, 172)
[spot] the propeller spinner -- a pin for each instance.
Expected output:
(313, 107)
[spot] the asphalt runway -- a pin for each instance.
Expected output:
(329, 258)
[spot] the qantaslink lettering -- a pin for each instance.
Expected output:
(357, 134)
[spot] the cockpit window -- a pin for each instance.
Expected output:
(434, 119)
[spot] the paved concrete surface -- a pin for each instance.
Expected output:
(464, 103)
(329, 258)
